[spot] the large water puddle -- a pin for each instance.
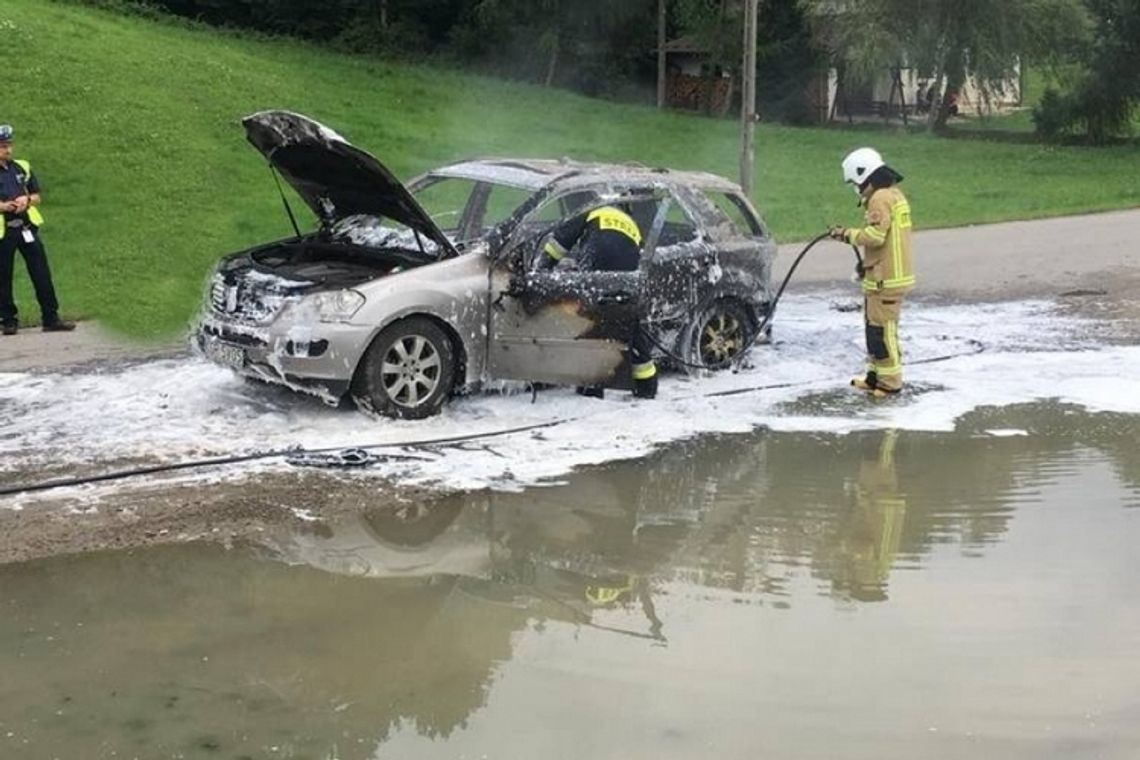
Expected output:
(885, 594)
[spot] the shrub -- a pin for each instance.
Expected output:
(1054, 115)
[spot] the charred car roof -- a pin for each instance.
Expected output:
(536, 174)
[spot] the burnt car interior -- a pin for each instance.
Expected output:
(537, 224)
(643, 204)
(735, 213)
(465, 209)
(616, 293)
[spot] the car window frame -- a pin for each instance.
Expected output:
(720, 226)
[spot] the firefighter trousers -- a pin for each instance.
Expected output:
(884, 358)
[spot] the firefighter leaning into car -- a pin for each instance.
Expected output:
(606, 239)
(886, 273)
(19, 230)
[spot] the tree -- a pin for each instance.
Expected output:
(717, 25)
(1107, 90)
(786, 53)
(946, 40)
(537, 35)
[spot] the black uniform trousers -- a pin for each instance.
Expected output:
(640, 346)
(35, 257)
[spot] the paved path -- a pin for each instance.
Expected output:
(32, 348)
(1006, 261)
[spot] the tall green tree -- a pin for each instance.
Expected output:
(946, 40)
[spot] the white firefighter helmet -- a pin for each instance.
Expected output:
(860, 165)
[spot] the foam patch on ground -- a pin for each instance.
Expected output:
(175, 409)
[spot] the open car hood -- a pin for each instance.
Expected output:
(336, 179)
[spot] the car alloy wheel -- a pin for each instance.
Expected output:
(408, 371)
(722, 333)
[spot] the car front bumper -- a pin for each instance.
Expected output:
(319, 359)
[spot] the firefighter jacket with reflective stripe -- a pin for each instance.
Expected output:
(886, 243)
(604, 239)
(24, 183)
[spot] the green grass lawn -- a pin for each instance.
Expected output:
(133, 128)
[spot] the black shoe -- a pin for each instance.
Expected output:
(10, 329)
(59, 325)
(591, 391)
(645, 388)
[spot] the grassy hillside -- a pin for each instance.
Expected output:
(133, 129)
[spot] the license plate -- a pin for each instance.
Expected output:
(224, 354)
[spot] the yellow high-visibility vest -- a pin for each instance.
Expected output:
(34, 215)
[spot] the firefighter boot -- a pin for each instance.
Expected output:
(870, 384)
(867, 382)
(646, 388)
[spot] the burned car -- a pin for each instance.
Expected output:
(404, 295)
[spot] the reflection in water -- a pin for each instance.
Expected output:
(710, 581)
(873, 529)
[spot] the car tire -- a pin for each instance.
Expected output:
(408, 371)
(720, 334)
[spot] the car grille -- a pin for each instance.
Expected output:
(242, 300)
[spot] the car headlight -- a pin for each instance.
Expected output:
(337, 305)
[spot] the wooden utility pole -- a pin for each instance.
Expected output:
(661, 58)
(748, 96)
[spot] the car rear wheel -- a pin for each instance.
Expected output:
(408, 371)
(721, 333)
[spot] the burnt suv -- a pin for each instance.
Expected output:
(403, 296)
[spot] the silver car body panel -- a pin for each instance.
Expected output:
(453, 292)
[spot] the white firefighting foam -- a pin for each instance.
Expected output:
(178, 409)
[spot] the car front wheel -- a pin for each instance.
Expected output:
(407, 372)
(720, 334)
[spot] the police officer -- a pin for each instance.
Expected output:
(606, 239)
(887, 273)
(19, 197)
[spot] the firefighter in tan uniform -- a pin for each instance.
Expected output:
(887, 272)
